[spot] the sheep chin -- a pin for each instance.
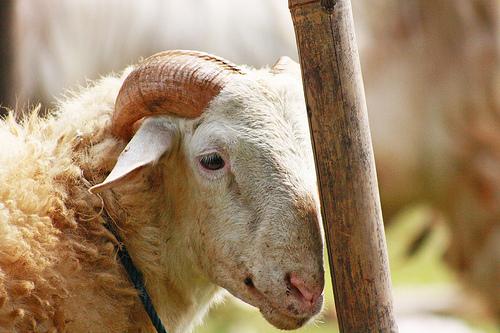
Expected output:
(282, 321)
(272, 309)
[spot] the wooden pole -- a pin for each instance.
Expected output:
(6, 53)
(338, 120)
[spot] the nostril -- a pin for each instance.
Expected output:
(302, 291)
(248, 281)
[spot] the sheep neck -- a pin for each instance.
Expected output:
(180, 295)
(158, 243)
(135, 277)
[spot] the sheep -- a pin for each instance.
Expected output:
(425, 148)
(205, 169)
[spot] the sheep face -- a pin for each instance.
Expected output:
(234, 192)
(258, 234)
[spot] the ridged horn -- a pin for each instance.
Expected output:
(176, 82)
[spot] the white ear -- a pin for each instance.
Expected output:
(286, 65)
(154, 138)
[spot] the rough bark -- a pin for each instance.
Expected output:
(345, 164)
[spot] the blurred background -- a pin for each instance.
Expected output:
(432, 80)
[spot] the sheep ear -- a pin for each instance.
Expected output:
(285, 65)
(153, 139)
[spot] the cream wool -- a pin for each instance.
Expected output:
(187, 230)
(57, 262)
(57, 267)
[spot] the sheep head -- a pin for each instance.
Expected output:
(251, 224)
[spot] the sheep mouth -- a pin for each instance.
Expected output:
(277, 314)
(286, 319)
(275, 311)
(281, 320)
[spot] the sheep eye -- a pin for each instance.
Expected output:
(212, 161)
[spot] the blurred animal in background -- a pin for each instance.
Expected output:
(431, 76)
(75, 40)
(435, 72)
(205, 168)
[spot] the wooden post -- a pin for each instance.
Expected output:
(6, 53)
(338, 120)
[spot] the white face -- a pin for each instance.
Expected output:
(251, 159)
(247, 198)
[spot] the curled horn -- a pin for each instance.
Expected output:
(173, 82)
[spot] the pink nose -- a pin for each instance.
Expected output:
(307, 294)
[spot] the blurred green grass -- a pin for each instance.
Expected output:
(424, 268)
